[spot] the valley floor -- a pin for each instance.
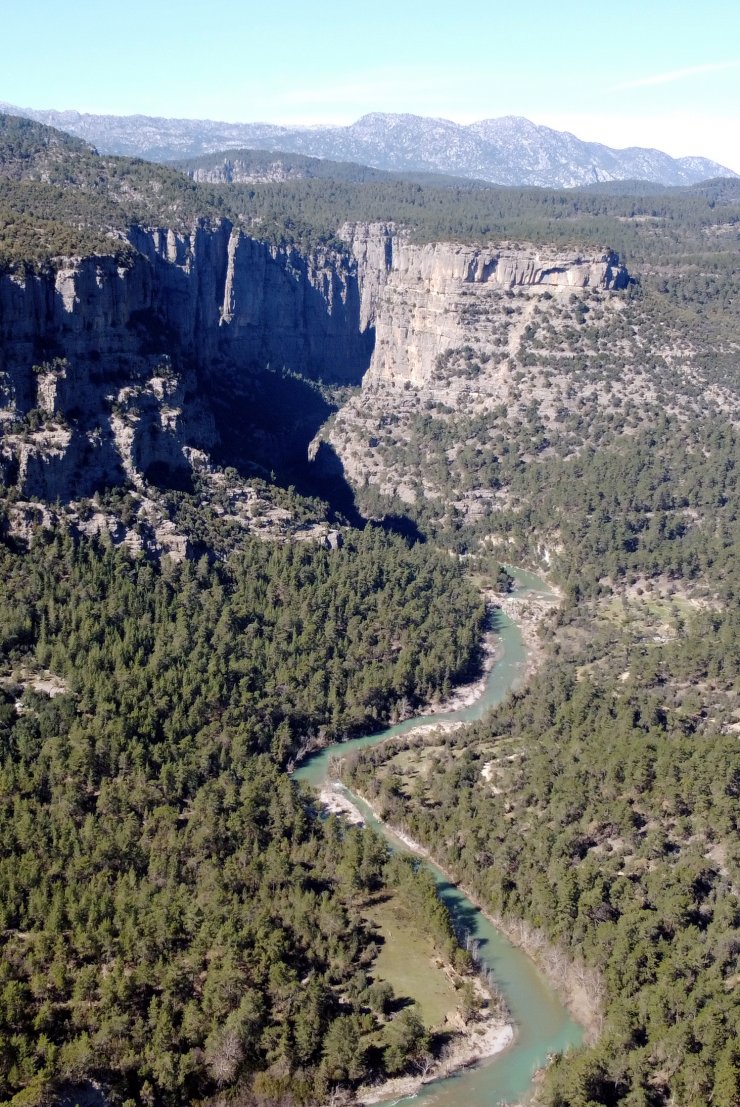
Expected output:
(469, 1043)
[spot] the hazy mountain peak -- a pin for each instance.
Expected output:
(510, 150)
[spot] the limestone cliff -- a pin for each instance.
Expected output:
(426, 300)
(215, 292)
(85, 349)
(109, 370)
(472, 343)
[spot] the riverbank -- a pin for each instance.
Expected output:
(473, 1046)
(544, 1028)
(578, 987)
(462, 697)
(465, 695)
(473, 1043)
(529, 612)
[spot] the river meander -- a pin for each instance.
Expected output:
(543, 1025)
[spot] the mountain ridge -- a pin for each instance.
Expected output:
(510, 150)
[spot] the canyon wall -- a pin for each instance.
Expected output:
(426, 300)
(215, 293)
(117, 360)
(109, 368)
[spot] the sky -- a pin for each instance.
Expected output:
(647, 73)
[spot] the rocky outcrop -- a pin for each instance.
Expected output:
(87, 343)
(109, 369)
(226, 295)
(44, 463)
(426, 300)
(125, 434)
(214, 294)
(374, 247)
(237, 170)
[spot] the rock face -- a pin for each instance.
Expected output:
(212, 294)
(230, 296)
(236, 171)
(427, 300)
(109, 371)
(116, 360)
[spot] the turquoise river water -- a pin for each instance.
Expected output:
(543, 1025)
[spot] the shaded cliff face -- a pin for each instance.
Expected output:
(227, 295)
(120, 360)
(425, 301)
(114, 372)
(212, 293)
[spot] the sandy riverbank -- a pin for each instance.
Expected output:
(578, 987)
(477, 1043)
(465, 695)
(336, 801)
(529, 613)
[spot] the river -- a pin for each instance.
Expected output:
(543, 1025)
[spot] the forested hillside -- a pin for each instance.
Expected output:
(175, 918)
(602, 804)
(252, 166)
(178, 923)
(75, 191)
(610, 823)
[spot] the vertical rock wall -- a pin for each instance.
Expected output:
(421, 299)
(82, 348)
(85, 348)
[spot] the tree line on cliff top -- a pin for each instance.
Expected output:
(76, 196)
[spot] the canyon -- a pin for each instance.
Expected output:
(406, 391)
(112, 368)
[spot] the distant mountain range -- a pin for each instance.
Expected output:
(250, 166)
(507, 151)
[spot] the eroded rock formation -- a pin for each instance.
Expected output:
(116, 360)
(425, 300)
(108, 369)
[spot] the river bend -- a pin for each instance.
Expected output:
(543, 1025)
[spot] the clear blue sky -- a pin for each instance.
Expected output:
(652, 72)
